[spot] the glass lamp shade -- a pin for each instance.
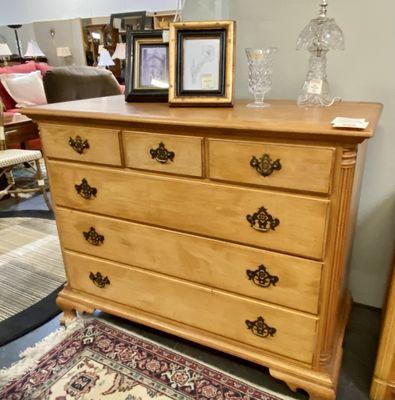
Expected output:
(33, 50)
(318, 37)
(63, 51)
(120, 52)
(105, 59)
(5, 50)
(321, 34)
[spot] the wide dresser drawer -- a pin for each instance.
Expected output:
(79, 143)
(304, 168)
(289, 223)
(276, 278)
(277, 330)
(173, 154)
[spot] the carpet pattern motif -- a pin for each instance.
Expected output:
(100, 361)
(31, 265)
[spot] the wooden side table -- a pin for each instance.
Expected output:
(19, 129)
(383, 386)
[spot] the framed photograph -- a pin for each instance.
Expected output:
(147, 67)
(163, 19)
(136, 21)
(202, 63)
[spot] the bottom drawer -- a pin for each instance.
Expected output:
(288, 333)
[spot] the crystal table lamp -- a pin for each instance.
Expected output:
(318, 37)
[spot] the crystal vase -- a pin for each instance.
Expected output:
(260, 72)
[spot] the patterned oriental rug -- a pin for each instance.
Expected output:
(93, 360)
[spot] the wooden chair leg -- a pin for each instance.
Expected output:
(40, 182)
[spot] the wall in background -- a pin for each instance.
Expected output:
(365, 71)
(26, 11)
(67, 33)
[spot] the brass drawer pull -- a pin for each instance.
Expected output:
(260, 328)
(84, 190)
(99, 280)
(93, 237)
(265, 165)
(78, 144)
(261, 277)
(262, 221)
(161, 154)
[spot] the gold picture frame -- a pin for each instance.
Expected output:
(202, 63)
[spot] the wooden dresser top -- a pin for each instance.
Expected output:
(283, 116)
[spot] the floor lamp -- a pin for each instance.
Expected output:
(15, 28)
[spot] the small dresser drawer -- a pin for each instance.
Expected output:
(279, 221)
(93, 145)
(305, 168)
(163, 153)
(263, 326)
(288, 281)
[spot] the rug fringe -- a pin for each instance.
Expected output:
(30, 356)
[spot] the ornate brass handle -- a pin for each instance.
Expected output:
(99, 280)
(78, 144)
(261, 277)
(262, 221)
(161, 154)
(84, 190)
(260, 328)
(93, 237)
(265, 165)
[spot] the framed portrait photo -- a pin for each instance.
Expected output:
(147, 67)
(202, 63)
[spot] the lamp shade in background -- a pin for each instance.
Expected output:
(5, 50)
(33, 50)
(63, 51)
(120, 52)
(105, 59)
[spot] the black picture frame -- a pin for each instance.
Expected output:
(221, 34)
(142, 15)
(132, 92)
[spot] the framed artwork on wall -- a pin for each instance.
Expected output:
(201, 67)
(147, 67)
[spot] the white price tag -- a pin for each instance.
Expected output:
(354, 123)
(166, 36)
(315, 86)
(41, 182)
(2, 134)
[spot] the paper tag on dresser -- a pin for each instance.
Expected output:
(2, 134)
(315, 86)
(40, 182)
(352, 123)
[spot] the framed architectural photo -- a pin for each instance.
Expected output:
(201, 58)
(147, 67)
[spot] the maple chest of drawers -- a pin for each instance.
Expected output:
(228, 227)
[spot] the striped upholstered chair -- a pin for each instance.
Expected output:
(30, 159)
